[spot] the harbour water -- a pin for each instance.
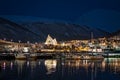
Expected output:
(54, 69)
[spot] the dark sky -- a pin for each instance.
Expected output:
(95, 13)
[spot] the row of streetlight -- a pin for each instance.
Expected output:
(19, 41)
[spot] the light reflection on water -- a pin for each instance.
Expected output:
(50, 66)
(108, 69)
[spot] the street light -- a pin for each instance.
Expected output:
(28, 42)
(19, 41)
(11, 40)
(36, 43)
(4, 39)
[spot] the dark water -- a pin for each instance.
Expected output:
(108, 69)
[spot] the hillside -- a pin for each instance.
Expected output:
(38, 31)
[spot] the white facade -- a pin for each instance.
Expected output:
(51, 41)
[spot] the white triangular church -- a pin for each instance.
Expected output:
(50, 40)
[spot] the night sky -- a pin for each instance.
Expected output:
(104, 14)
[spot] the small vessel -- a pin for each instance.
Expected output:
(20, 56)
(85, 57)
(26, 56)
(97, 57)
(32, 56)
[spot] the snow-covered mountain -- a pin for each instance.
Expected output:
(38, 31)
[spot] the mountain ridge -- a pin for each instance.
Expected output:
(38, 31)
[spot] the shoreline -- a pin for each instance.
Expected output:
(56, 56)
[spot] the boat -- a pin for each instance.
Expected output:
(20, 56)
(85, 57)
(26, 56)
(32, 56)
(97, 57)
